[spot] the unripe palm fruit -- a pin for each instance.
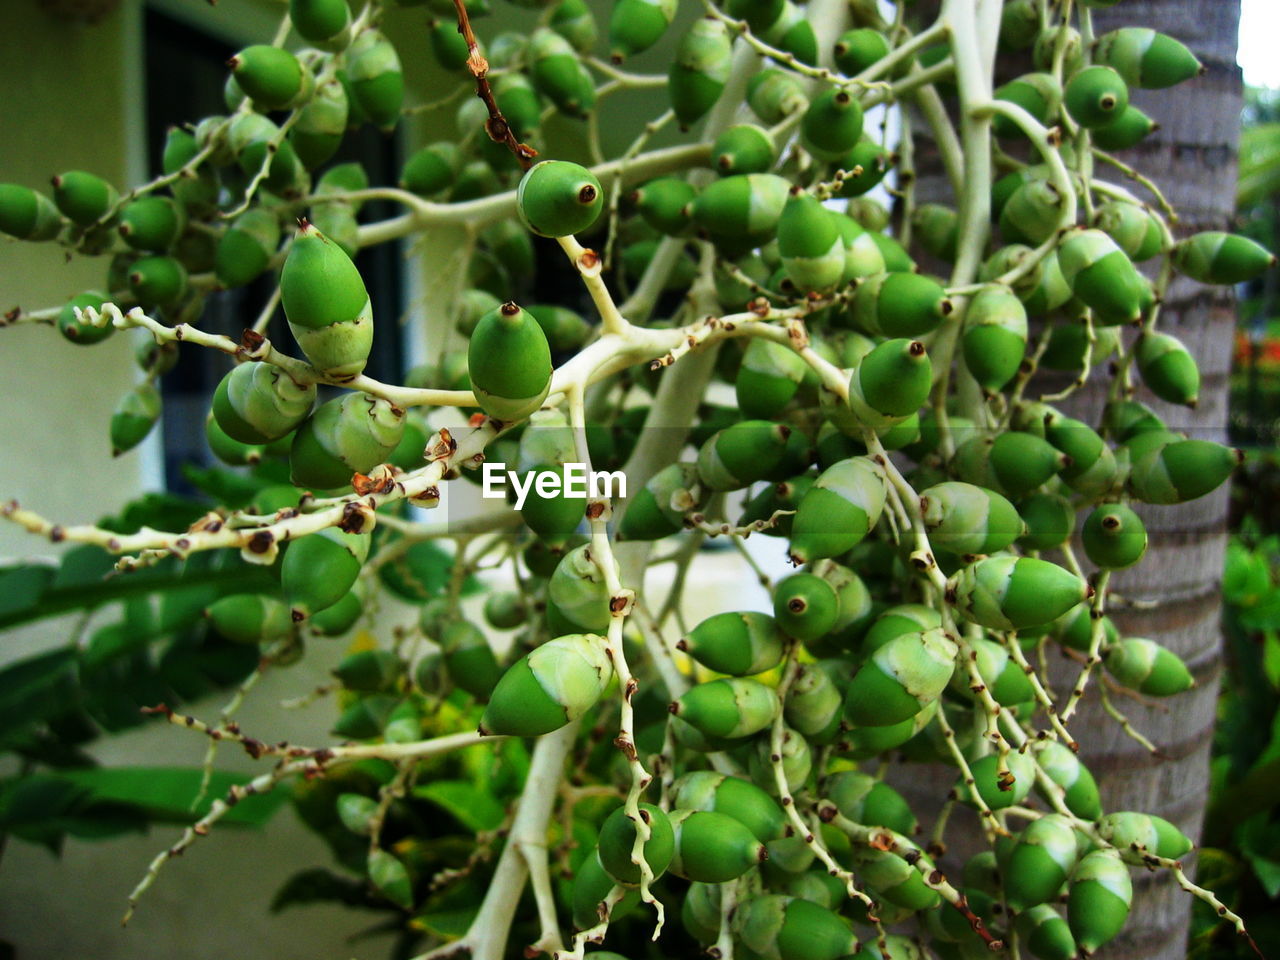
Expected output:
(739, 644)
(856, 607)
(995, 336)
(636, 25)
(432, 169)
(227, 449)
(1135, 230)
(794, 34)
(1004, 679)
(711, 847)
(574, 21)
(999, 791)
(1126, 131)
(1039, 94)
(899, 304)
(258, 403)
(1181, 470)
(509, 362)
(1045, 933)
(1069, 341)
(743, 148)
(937, 228)
(366, 718)
(337, 619)
(665, 204)
(965, 519)
(26, 214)
(245, 249)
(787, 928)
(1096, 96)
(324, 23)
(617, 842)
(1013, 464)
(901, 678)
(896, 880)
(742, 454)
(198, 193)
(744, 208)
(157, 281)
(591, 884)
(856, 50)
(1147, 667)
(369, 671)
(552, 685)
(1049, 292)
(1015, 593)
(375, 78)
(658, 509)
(769, 377)
(897, 621)
(806, 606)
(890, 383)
(864, 799)
(134, 416)
(811, 246)
(832, 124)
(1032, 213)
(82, 197)
(1098, 899)
(448, 45)
(729, 708)
(1063, 767)
(1040, 861)
(557, 198)
(270, 76)
(839, 510)
(1145, 58)
(320, 126)
(249, 618)
(578, 596)
(327, 305)
(1223, 258)
(1137, 833)
(814, 703)
(151, 223)
(863, 743)
(1050, 521)
(81, 331)
(558, 74)
(773, 95)
(785, 495)
(1168, 368)
(795, 758)
(1114, 537)
(699, 70)
(318, 570)
(865, 166)
(1074, 629)
(732, 796)
(469, 659)
(346, 435)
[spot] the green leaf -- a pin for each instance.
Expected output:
(391, 878)
(21, 587)
(447, 924)
(35, 689)
(473, 808)
(164, 794)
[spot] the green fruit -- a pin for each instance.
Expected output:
(245, 248)
(432, 169)
(1223, 258)
(366, 717)
(617, 843)
(793, 33)
(227, 449)
(1050, 521)
(321, 123)
(795, 758)
(327, 305)
(1039, 862)
(864, 166)
(1114, 537)
(832, 124)
(901, 678)
(995, 336)
(157, 281)
(896, 621)
(729, 708)
(773, 95)
(806, 606)
(369, 671)
(375, 78)
(81, 331)
(1098, 899)
(469, 659)
(134, 416)
(711, 847)
(270, 76)
(937, 228)
(743, 148)
(896, 880)
(768, 379)
(815, 704)
(318, 570)
(1074, 629)
(1039, 94)
(863, 743)
(1145, 58)
(699, 70)
(1015, 593)
(557, 198)
(732, 796)
(890, 383)
(249, 618)
(665, 204)
(739, 644)
(1063, 767)
(787, 928)
(1032, 214)
(1138, 833)
(1168, 368)
(1181, 470)
(258, 403)
(856, 607)
(864, 799)
(1096, 96)
(574, 21)
(28, 215)
(899, 304)
(558, 74)
(964, 519)
(565, 330)
(1045, 934)
(349, 434)
(1147, 667)
(338, 618)
(998, 793)
(1135, 230)
(759, 15)
(839, 510)
(1012, 464)
(742, 208)
(1125, 131)
(449, 46)
(151, 223)
(577, 596)
(658, 509)
(509, 362)
(549, 687)
(810, 244)
(636, 25)
(81, 197)
(325, 23)
(741, 454)
(591, 885)
(856, 50)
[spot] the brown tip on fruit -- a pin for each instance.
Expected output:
(843, 97)
(298, 615)
(56, 181)
(587, 194)
(480, 729)
(762, 853)
(682, 644)
(674, 708)
(797, 605)
(509, 309)
(916, 348)
(945, 307)
(615, 58)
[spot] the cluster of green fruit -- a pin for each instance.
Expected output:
(883, 642)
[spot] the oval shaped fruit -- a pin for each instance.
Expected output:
(134, 416)
(1145, 58)
(319, 569)
(863, 799)
(271, 76)
(1139, 833)
(965, 519)
(805, 606)
(325, 23)
(1168, 368)
(699, 70)
(739, 644)
(258, 402)
(549, 687)
(788, 928)
(617, 844)
(729, 708)
(1015, 593)
(1147, 667)
(995, 336)
(376, 79)
(557, 198)
(1181, 470)
(1101, 276)
(712, 847)
(832, 124)
(346, 435)
(1063, 767)
(249, 618)
(841, 507)
(901, 678)
(81, 197)
(1096, 96)
(1042, 857)
(327, 304)
(1225, 258)
(81, 331)
(998, 791)
(900, 304)
(742, 454)
(157, 281)
(509, 362)
(737, 798)
(636, 25)
(1098, 899)
(26, 214)
(1114, 536)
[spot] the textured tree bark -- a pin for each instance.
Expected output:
(1192, 157)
